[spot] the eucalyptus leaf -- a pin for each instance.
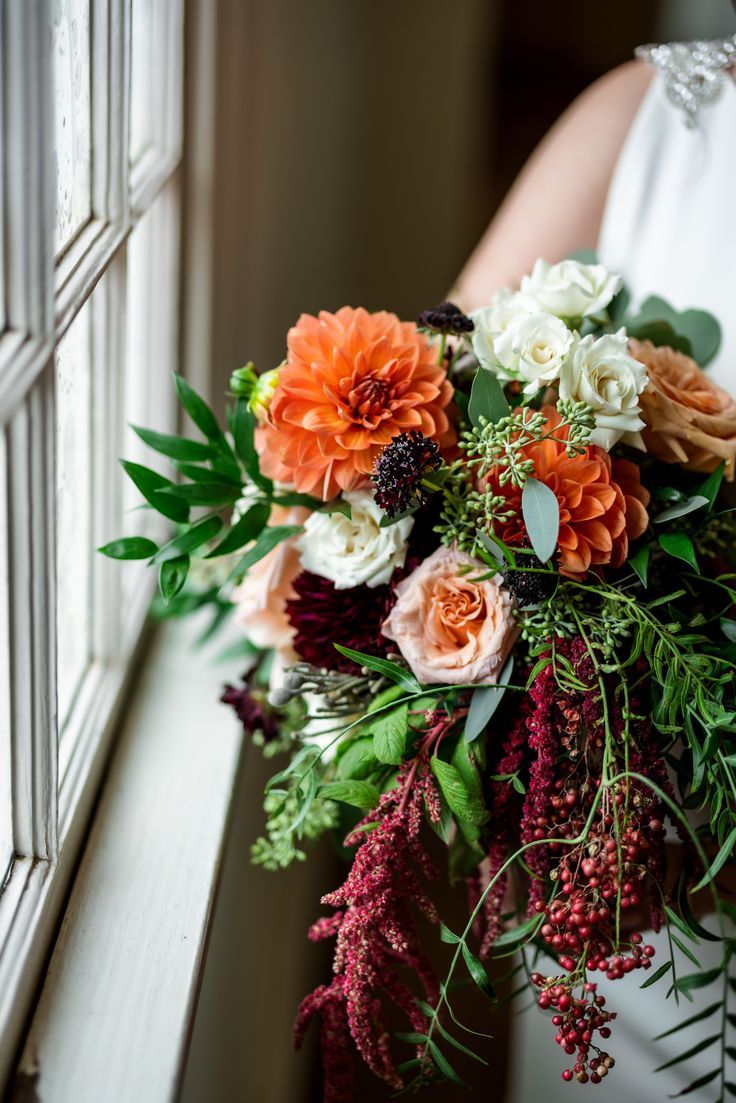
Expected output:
(487, 399)
(696, 502)
(485, 701)
(541, 513)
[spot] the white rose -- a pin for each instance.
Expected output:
(505, 307)
(570, 289)
(534, 349)
(606, 377)
(350, 552)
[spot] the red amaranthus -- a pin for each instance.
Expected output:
(376, 937)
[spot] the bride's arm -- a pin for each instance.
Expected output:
(556, 204)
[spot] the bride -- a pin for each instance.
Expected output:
(642, 168)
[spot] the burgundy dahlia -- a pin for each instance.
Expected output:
(401, 469)
(322, 616)
(251, 709)
(446, 318)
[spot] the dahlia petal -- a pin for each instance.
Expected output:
(320, 419)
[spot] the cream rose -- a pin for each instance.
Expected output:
(450, 629)
(570, 289)
(490, 321)
(354, 551)
(262, 595)
(603, 374)
(534, 349)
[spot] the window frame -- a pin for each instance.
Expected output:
(55, 778)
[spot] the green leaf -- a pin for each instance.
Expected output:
(243, 438)
(198, 410)
(639, 563)
(129, 547)
(485, 701)
(680, 546)
(487, 399)
(360, 794)
(389, 735)
(245, 529)
(189, 540)
(478, 973)
(176, 448)
(172, 576)
(149, 482)
(207, 494)
(703, 332)
(686, 951)
(388, 669)
(728, 627)
(692, 1052)
(266, 541)
(681, 509)
(704, 1014)
(443, 1065)
(710, 487)
(541, 512)
(699, 1083)
(457, 794)
(719, 861)
(200, 474)
(584, 256)
(356, 759)
(519, 934)
(448, 936)
(697, 980)
(659, 333)
(657, 975)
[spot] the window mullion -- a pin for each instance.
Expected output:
(115, 140)
(32, 532)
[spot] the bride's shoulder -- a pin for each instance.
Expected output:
(612, 101)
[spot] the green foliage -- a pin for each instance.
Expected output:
(541, 512)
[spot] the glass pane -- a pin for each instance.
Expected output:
(72, 118)
(6, 821)
(73, 498)
(142, 108)
(151, 357)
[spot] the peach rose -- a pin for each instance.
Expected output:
(450, 629)
(690, 420)
(262, 595)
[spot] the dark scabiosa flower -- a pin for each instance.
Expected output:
(250, 709)
(322, 616)
(446, 318)
(530, 587)
(401, 469)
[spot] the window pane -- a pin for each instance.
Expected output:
(72, 118)
(6, 822)
(142, 107)
(73, 498)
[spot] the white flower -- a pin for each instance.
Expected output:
(606, 377)
(534, 349)
(505, 307)
(570, 289)
(320, 730)
(350, 552)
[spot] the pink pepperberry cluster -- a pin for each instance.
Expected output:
(577, 1020)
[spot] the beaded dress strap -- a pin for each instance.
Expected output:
(694, 73)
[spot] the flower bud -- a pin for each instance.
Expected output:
(243, 380)
(262, 394)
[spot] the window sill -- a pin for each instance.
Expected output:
(115, 1013)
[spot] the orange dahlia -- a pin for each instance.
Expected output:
(602, 503)
(352, 381)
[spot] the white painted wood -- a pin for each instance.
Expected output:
(115, 1012)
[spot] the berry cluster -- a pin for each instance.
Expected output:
(577, 1020)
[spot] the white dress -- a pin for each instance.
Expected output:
(669, 228)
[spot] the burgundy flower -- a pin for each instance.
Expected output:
(250, 709)
(446, 318)
(323, 616)
(401, 469)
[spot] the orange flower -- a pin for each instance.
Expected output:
(352, 381)
(602, 503)
(690, 419)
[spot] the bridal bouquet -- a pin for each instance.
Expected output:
(484, 568)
